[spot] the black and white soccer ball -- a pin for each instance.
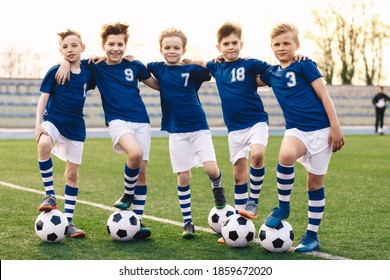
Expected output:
(238, 231)
(218, 216)
(122, 225)
(51, 226)
(276, 240)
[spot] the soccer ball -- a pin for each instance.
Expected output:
(122, 225)
(238, 231)
(51, 226)
(217, 216)
(276, 240)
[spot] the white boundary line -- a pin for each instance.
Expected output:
(161, 220)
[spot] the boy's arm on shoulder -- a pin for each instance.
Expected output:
(195, 62)
(63, 72)
(151, 82)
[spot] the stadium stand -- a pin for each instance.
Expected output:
(18, 100)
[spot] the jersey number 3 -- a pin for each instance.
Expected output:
(291, 76)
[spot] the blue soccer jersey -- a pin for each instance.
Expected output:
(236, 81)
(300, 104)
(118, 87)
(180, 104)
(66, 102)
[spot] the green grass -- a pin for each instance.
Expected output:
(355, 224)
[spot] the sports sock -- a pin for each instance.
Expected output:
(216, 183)
(240, 196)
(70, 201)
(130, 179)
(285, 182)
(184, 195)
(316, 208)
(256, 180)
(46, 169)
(139, 200)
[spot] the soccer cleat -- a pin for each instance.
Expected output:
(219, 197)
(49, 202)
(124, 202)
(276, 217)
(143, 233)
(189, 230)
(74, 231)
(221, 240)
(308, 244)
(249, 211)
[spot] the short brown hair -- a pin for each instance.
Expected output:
(282, 27)
(227, 29)
(116, 28)
(68, 32)
(173, 32)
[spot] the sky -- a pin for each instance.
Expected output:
(32, 25)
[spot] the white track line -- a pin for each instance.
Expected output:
(161, 220)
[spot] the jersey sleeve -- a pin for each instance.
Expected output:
(143, 73)
(49, 80)
(310, 70)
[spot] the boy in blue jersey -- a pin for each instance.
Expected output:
(125, 114)
(190, 141)
(244, 116)
(60, 122)
(312, 130)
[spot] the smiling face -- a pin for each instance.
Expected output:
(71, 48)
(230, 47)
(172, 49)
(115, 47)
(284, 47)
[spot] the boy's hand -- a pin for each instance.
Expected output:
(219, 59)
(97, 59)
(63, 73)
(186, 61)
(300, 57)
(336, 139)
(39, 130)
(129, 58)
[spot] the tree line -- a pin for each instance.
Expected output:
(349, 35)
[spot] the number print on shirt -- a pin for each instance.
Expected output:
(129, 75)
(186, 76)
(291, 77)
(238, 74)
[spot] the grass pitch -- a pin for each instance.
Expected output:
(355, 223)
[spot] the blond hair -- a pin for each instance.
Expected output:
(173, 32)
(69, 32)
(282, 28)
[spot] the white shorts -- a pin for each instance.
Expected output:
(141, 131)
(317, 158)
(64, 149)
(190, 149)
(240, 141)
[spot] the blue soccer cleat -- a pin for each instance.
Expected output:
(276, 217)
(308, 244)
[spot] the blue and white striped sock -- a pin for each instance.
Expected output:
(46, 169)
(240, 196)
(256, 179)
(70, 201)
(184, 195)
(130, 179)
(316, 208)
(139, 200)
(285, 182)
